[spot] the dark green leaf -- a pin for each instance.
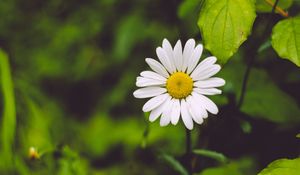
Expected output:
(286, 39)
(225, 25)
(265, 100)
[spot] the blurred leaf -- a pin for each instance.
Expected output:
(264, 46)
(282, 167)
(176, 165)
(211, 154)
(265, 100)
(9, 112)
(263, 6)
(225, 25)
(286, 39)
(298, 135)
(130, 31)
(187, 7)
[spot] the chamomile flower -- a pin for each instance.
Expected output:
(178, 84)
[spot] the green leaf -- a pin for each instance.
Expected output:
(282, 167)
(175, 164)
(225, 25)
(286, 39)
(211, 154)
(265, 100)
(298, 135)
(263, 6)
(9, 111)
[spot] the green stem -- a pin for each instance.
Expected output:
(189, 151)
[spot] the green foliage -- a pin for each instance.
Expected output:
(282, 167)
(8, 126)
(66, 88)
(286, 39)
(71, 164)
(174, 164)
(225, 25)
(263, 6)
(211, 154)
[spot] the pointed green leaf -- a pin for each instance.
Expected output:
(211, 154)
(286, 39)
(225, 25)
(282, 167)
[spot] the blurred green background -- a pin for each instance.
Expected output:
(67, 74)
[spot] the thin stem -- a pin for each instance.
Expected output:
(277, 8)
(252, 58)
(189, 151)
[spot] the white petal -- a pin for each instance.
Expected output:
(157, 67)
(148, 92)
(187, 53)
(206, 73)
(175, 112)
(207, 62)
(154, 102)
(166, 115)
(187, 119)
(164, 59)
(198, 108)
(153, 75)
(195, 113)
(155, 113)
(209, 91)
(206, 103)
(210, 83)
(195, 58)
(169, 51)
(142, 82)
(178, 55)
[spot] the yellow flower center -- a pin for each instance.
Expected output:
(179, 85)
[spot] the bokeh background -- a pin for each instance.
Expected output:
(73, 66)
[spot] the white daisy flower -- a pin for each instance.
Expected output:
(178, 84)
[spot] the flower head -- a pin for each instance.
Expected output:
(178, 84)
